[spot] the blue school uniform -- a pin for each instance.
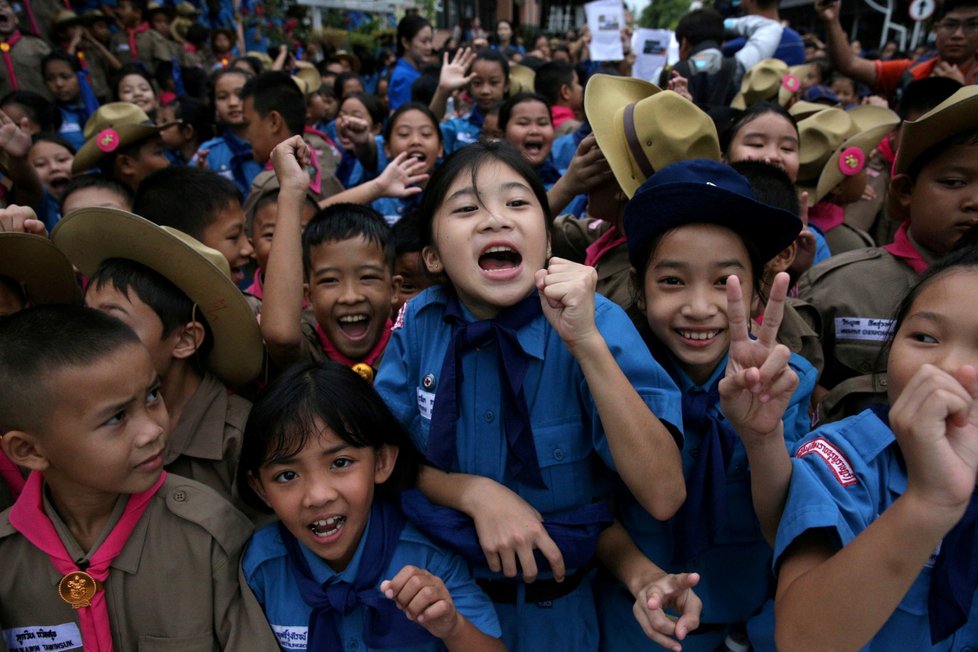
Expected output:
(399, 86)
(567, 432)
(844, 476)
(394, 208)
(736, 580)
(268, 571)
(459, 132)
(351, 172)
(73, 119)
(231, 157)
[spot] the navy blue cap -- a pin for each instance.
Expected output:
(701, 191)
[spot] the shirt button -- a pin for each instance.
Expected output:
(352, 644)
(558, 454)
(489, 416)
(180, 496)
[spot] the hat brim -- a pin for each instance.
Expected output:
(40, 268)
(89, 236)
(960, 114)
(89, 155)
(831, 175)
(770, 230)
(604, 97)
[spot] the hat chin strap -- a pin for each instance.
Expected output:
(634, 144)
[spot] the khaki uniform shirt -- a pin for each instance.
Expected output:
(151, 48)
(856, 294)
(571, 238)
(206, 443)
(26, 56)
(175, 585)
(846, 237)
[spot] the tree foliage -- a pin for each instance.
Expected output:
(663, 13)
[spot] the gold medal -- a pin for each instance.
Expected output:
(365, 370)
(78, 588)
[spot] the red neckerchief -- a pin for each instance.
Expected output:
(8, 61)
(598, 249)
(10, 473)
(28, 517)
(826, 215)
(139, 29)
(902, 248)
(255, 288)
(334, 354)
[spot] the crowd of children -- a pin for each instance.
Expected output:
(503, 352)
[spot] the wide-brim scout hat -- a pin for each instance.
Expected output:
(93, 16)
(954, 115)
(65, 18)
(791, 82)
(308, 79)
(704, 192)
(802, 109)
(112, 127)
(265, 185)
(264, 57)
(521, 79)
(89, 236)
(762, 82)
(39, 267)
(187, 10)
(641, 129)
(157, 8)
(839, 157)
(351, 59)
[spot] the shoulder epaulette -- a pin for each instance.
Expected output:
(201, 505)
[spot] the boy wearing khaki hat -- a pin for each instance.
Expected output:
(123, 143)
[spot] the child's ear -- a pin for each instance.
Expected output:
(432, 261)
(396, 282)
(306, 291)
(257, 487)
(190, 338)
(276, 122)
(23, 450)
(386, 458)
(901, 189)
(125, 166)
(783, 260)
(565, 93)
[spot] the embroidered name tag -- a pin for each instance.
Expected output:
(43, 639)
(122, 47)
(861, 328)
(291, 638)
(830, 454)
(426, 401)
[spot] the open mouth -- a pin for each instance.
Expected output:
(418, 156)
(499, 258)
(328, 527)
(57, 184)
(354, 327)
(698, 338)
(533, 147)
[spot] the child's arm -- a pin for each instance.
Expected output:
(755, 394)
(15, 141)
(357, 131)
(424, 599)
(641, 446)
(654, 590)
(399, 179)
(282, 306)
(588, 169)
(451, 78)
(935, 421)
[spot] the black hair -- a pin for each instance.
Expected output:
(969, 137)
(36, 108)
(341, 79)
(469, 160)
(36, 343)
(106, 164)
(57, 139)
(953, 5)
(407, 29)
(96, 181)
(198, 35)
(345, 221)
(276, 91)
(406, 234)
(173, 307)
(370, 102)
(770, 184)
(294, 408)
(824, 67)
(185, 198)
(506, 110)
(131, 69)
(488, 54)
(196, 114)
(404, 108)
(551, 77)
(423, 88)
(257, 67)
(700, 26)
(922, 95)
(59, 55)
(737, 120)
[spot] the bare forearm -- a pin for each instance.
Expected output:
(770, 476)
(619, 554)
(282, 305)
(467, 637)
(842, 57)
(438, 103)
(456, 490)
(361, 194)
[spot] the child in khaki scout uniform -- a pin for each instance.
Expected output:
(835, 146)
(21, 70)
(178, 296)
(103, 549)
(137, 42)
(934, 187)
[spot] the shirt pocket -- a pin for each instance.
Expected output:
(195, 643)
(564, 454)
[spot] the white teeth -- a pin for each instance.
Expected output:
(497, 250)
(325, 527)
(352, 319)
(706, 335)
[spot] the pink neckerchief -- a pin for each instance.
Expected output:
(10, 473)
(255, 288)
(598, 249)
(8, 61)
(826, 215)
(334, 354)
(560, 114)
(902, 248)
(886, 151)
(139, 29)
(28, 517)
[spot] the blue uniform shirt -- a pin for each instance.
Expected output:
(73, 119)
(226, 153)
(268, 572)
(844, 476)
(399, 86)
(459, 132)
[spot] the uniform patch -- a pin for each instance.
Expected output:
(43, 639)
(862, 328)
(830, 454)
(426, 401)
(291, 638)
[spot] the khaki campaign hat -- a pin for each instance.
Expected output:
(760, 83)
(521, 79)
(641, 129)
(41, 270)
(308, 79)
(111, 128)
(65, 18)
(791, 82)
(89, 236)
(351, 59)
(802, 109)
(954, 115)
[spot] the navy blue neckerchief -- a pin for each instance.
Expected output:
(476, 117)
(384, 625)
(521, 453)
(240, 154)
(954, 578)
(548, 174)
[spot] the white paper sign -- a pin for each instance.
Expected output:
(651, 48)
(606, 18)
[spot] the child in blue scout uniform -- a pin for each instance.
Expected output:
(511, 377)
(876, 547)
(527, 125)
(412, 129)
(230, 154)
(342, 568)
(696, 236)
(488, 82)
(358, 125)
(72, 94)
(414, 36)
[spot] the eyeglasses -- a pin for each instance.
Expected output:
(950, 25)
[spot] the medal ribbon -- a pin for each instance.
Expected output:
(8, 61)
(334, 354)
(28, 517)
(132, 39)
